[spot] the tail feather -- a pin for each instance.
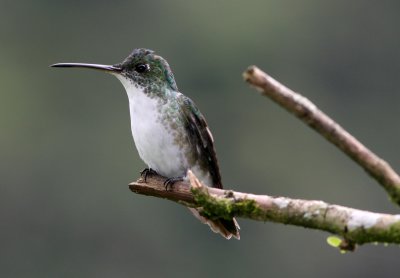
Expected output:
(227, 228)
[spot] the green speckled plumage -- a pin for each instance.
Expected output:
(177, 112)
(157, 81)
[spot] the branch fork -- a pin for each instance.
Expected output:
(355, 227)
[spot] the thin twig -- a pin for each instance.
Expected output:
(304, 109)
(354, 226)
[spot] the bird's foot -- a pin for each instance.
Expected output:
(146, 172)
(168, 183)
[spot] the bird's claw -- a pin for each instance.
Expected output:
(168, 183)
(146, 172)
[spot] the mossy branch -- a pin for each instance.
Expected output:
(354, 226)
(305, 110)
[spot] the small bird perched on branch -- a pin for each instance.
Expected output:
(170, 133)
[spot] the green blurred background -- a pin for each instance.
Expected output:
(67, 155)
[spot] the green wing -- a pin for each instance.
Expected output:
(201, 139)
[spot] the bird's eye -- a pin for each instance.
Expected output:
(141, 68)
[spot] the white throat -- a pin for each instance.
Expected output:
(131, 89)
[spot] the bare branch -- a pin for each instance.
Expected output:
(354, 226)
(304, 109)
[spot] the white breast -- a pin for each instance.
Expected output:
(154, 141)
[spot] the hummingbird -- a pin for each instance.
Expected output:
(170, 133)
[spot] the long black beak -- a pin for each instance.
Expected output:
(107, 68)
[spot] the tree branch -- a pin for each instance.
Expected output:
(354, 226)
(305, 110)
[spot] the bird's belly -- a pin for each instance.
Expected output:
(155, 140)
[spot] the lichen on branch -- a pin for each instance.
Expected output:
(215, 207)
(352, 225)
